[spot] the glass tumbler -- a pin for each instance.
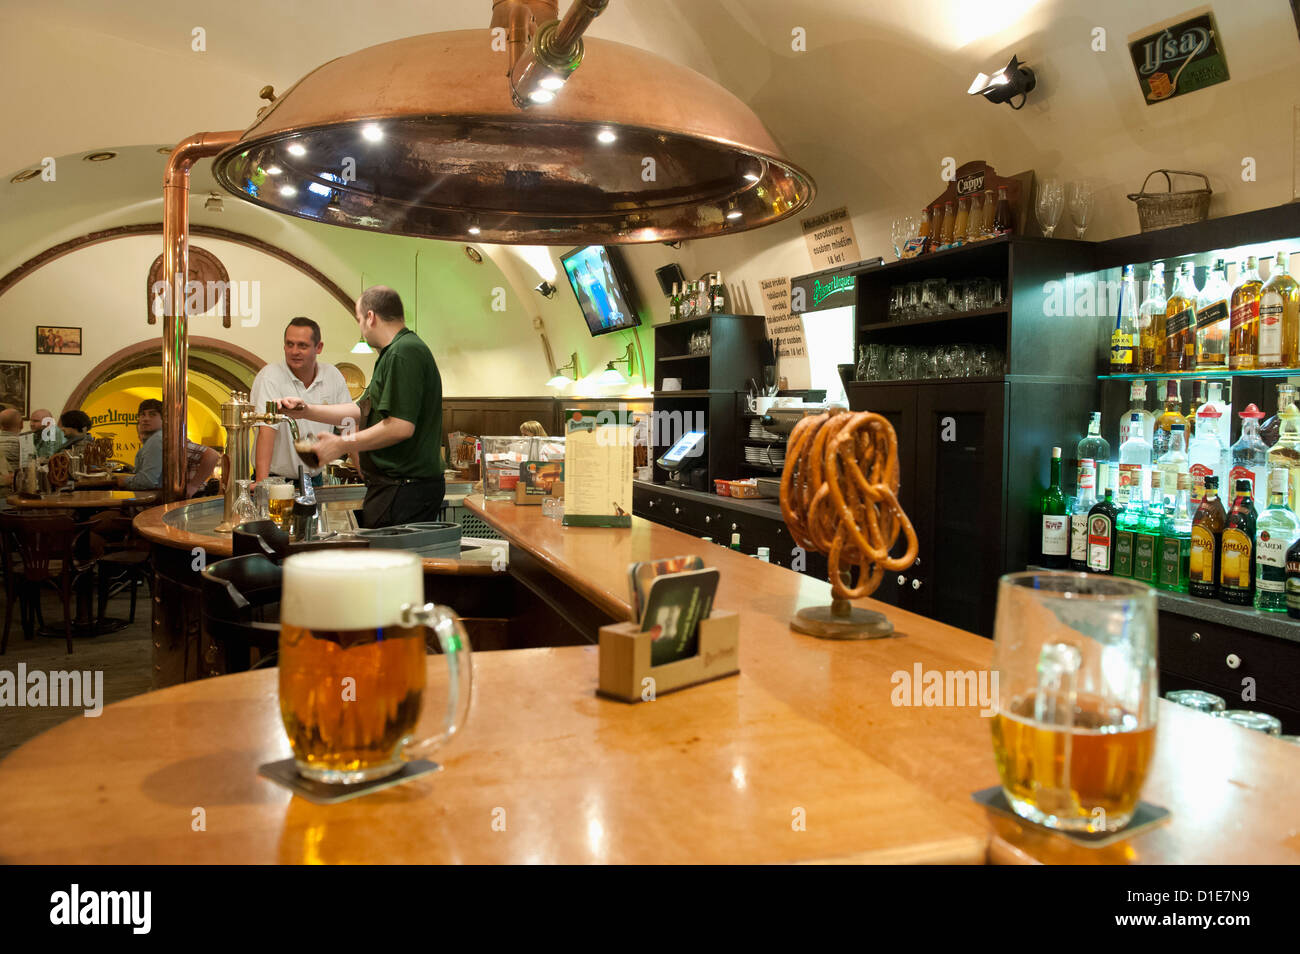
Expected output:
(1074, 661)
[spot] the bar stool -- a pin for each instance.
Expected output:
(236, 593)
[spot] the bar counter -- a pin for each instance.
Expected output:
(801, 757)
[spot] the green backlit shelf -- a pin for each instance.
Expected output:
(1202, 375)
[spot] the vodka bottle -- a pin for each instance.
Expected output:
(1095, 448)
(1134, 464)
(1206, 456)
(1250, 454)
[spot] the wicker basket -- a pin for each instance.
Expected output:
(1163, 210)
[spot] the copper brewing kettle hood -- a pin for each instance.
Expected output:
(420, 136)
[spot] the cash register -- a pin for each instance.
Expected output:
(685, 461)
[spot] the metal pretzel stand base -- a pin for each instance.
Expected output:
(841, 620)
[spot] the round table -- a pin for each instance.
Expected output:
(86, 502)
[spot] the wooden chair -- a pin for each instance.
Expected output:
(121, 558)
(46, 543)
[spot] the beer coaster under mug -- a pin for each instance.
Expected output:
(1145, 817)
(285, 772)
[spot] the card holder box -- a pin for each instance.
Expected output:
(625, 659)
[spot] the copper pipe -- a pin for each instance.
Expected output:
(176, 269)
(520, 19)
(576, 21)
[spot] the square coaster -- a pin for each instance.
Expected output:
(285, 773)
(1145, 817)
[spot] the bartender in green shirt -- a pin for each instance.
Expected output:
(396, 425)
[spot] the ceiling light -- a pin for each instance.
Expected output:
(606, 136)
(735, 214)
(545, 289)
(457, 146)
(1005, 85)
(321, 190)
(474, 230)
(372, 133)
(288, 190)
(362, 348)
(274, 171)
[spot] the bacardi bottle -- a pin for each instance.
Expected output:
(1213, 316)
(1243, 338)
(1207, 530)
(1237, 550)
(1275, 531)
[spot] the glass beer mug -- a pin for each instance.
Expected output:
(353, 632)
(1075, 660)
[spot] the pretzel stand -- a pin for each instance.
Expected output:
(839, 496)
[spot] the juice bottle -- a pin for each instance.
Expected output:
(1003, 224)
(945, 227)
(963, 216)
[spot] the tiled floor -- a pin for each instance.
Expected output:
(123, 657)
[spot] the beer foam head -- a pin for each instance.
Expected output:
(279, 491)
(350, 589)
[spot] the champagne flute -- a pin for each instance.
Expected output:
(1051, 202)
(1080, 201)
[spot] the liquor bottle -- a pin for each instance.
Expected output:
(685, 304)
(1146, 535)
(959, 225)
(674, 303)
(1101, 534)
(1055, 518)
(1279, 316)
(1083, 503)
(1134, 464)
(1095, 448)
(1214, 401)
(975, 224)
(924, 230)
(1293, 581)
(1207, 528)
(1237, 550)
(1205, 454)
(1275, 531)
(735, 541)
(718, 293)
(1285, 453)
(1124, 340)
(1268, 431)
(1180, 321)
(1003, 224)
(1168, 418)
(1151, 322)
(990, 207)
(1176, 541)
(1243, 338)
(945, 228)
(1249, 454)
(1213, 317)
(1198, 398)
(703, 300)
(1172, 464)
(1137, 405)
(1126, 524)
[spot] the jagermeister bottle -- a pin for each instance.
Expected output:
(1101, 534)
(1176, 539)
(1237, 549)
(1275, 531)
(1207, 529)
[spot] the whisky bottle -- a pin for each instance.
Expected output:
(1207, 529)
(1237, 550)
(1055, 520)
(1213, 317)
(1180, 323)
(1243, 336)
(1279, 317)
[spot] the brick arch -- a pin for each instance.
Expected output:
(128, 358)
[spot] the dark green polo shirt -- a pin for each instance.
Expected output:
(405, 384)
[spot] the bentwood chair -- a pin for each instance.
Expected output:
(46, 544)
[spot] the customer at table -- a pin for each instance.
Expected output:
(200, 461)
(49, 438)
(299, 375)
(76, 428)
(11, 425)
(400, 416)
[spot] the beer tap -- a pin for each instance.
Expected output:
(238, 418)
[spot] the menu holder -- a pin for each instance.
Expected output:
(626, 673)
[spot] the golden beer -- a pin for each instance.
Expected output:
(279, 504)
(1070, 773)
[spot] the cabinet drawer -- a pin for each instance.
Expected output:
(1221, 657)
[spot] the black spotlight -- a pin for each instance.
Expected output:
(1005, 85)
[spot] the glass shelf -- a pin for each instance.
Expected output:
(1202, 375)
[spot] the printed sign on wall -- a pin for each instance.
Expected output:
(831, 240)
(1179, 56)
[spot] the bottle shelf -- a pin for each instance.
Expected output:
(1203, 375)
(933, 319)
(684, 357)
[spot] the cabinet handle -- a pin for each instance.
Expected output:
(708, 519)
(735, 527)
(1196, 637)
(916, 562)
(916, 584)
(651, 505)
(677, 511)
(1233, 661)
(901, 579)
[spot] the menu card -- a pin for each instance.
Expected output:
(598, 468)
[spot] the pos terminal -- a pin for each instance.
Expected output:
(684, 461)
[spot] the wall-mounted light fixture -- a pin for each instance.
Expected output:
(612, 375)
(545, 289)
(561, 379)
(1006, 84)
(213, 203)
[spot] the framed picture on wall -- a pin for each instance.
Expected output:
(16, 384)
(50, 340)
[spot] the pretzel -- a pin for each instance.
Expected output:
(839, 496)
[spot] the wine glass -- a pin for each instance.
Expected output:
(1080, 202)
(1051, 202)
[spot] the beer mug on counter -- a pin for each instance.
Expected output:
(354, 631)
(279, 501)
(1075, 728)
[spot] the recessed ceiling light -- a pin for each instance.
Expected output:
(372, 133)
(297, 149)
(288, 190)
(474, 230)
(274, 171)
(25, 175)
(101, 156)
(735, 214)
(606, 136)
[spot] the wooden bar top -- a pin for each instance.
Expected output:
(1229, 790)
(84, 499)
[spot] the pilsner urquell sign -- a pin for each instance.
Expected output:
(1179, 57)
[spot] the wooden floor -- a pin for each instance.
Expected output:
(124, 658)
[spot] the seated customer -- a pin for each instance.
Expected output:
(76, 427)
(49, 439)
(11, 425)
(200, 460)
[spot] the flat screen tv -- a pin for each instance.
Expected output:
(600, 282)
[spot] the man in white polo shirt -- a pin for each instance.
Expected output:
(299, 375)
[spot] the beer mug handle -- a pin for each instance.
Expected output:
(460, 676)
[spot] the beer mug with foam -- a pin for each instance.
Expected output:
(1077, 692)
(355, 634)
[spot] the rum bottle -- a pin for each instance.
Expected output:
(1180, 323)
(1207, 529)
(1275, 531)
(1237, 550)
(1243, 336)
